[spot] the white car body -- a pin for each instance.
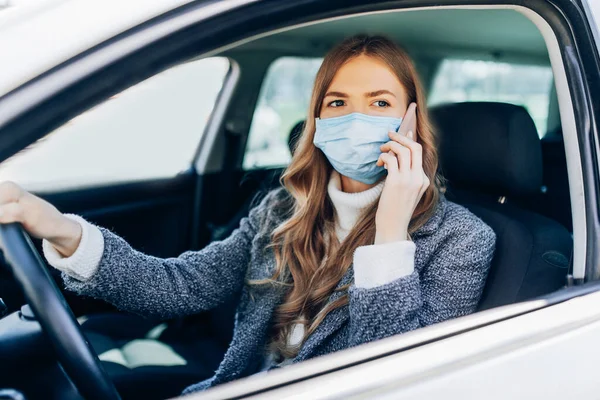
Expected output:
(535, 349)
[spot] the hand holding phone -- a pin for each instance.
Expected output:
(405, 183)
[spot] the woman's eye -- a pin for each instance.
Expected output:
(381, 103)
(336, 103)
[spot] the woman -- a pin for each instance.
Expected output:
(358, 246)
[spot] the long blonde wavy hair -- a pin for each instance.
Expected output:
(310, 261)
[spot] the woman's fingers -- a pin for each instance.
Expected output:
(409, 155)
(10, 192)
(389, 161)
(402, 152)
(11, 212)
(416, 150)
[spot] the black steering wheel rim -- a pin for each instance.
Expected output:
(52, 312)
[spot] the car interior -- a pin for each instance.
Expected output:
(501, 154)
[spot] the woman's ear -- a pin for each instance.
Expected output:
(409, 122)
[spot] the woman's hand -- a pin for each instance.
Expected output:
(39, 218)
(404, 186)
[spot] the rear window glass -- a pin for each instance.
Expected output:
(283, 102)
(471, 80)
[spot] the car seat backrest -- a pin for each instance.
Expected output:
(553, 200)
(294, 136)
(491, 147)
(489, 154)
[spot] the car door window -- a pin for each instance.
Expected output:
(148, 131)
(474, 80)
(282, 103)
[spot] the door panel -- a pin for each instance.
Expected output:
(154, 217)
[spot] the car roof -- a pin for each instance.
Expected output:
(35, 37)
(442, 32)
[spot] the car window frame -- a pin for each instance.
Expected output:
(26, 104)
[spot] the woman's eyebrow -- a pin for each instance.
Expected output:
(336, 94)
(379, 93)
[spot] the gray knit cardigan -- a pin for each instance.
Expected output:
(453, 254)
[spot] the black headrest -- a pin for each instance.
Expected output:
(489, 147)
(295, 135)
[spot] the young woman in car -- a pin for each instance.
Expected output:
(359, 245)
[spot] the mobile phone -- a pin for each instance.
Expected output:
(409, 122)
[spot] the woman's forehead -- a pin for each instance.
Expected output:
(365, 74)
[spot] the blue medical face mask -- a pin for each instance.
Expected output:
(351, 143)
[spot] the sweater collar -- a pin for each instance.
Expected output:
(349, 206)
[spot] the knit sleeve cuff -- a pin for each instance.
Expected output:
(379, 264)
(84, 262)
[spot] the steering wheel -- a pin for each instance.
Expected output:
(49, 306)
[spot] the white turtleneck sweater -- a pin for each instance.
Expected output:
(374, 265)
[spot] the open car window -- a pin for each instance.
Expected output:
(148, 131)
